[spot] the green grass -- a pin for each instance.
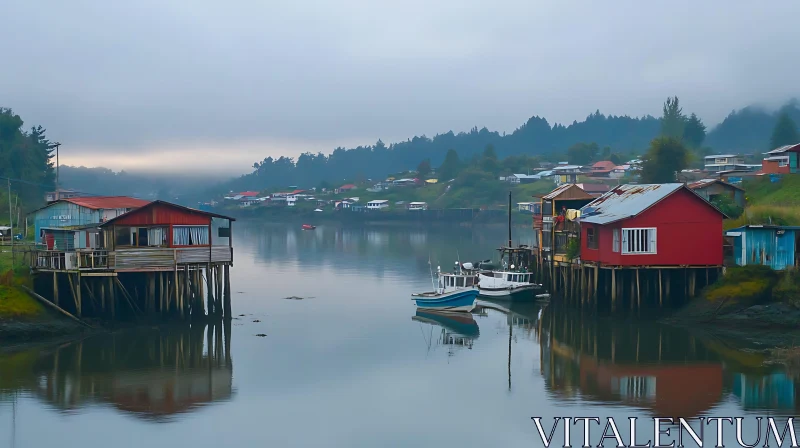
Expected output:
(16, 303)
(785, 192)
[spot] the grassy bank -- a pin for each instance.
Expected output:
(756, 295)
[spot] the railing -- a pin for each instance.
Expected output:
(156, 258)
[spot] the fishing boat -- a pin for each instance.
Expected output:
(455, 291)
(511, 280)
(308, 227)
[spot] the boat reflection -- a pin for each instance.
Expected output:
(660, 368)
(152, 373)
(457, 329)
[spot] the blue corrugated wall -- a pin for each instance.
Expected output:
(63, 214)
(766, 247)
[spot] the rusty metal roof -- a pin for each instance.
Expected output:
(626, 201)
(702, 183)
(785, 148)
(107, 202)
(567, 191)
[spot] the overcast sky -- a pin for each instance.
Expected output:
(217, 85)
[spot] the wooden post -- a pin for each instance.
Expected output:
(112, 298)
(103, 298)
(596, 278)
(660, 291)
(210, 290)
(175, 288)
(638, 291)
(161, 301)
(78, 298)
(218, 295)
(613, 289)
(227, 305)
(55, 287)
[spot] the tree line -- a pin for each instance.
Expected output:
(598, 137)
(26, 160)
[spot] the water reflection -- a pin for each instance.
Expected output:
(663, 369)
(152, 373)
(455, 329)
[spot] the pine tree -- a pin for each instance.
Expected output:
(673, 121)
(694, 133)
(784, 133)
(666, 157)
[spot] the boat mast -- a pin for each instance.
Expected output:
(509, 219)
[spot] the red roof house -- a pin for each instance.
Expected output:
(783, 160)
(602, 168)
(651, 225)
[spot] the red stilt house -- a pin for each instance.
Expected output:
(651, 225)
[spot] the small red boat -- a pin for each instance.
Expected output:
(308, 227)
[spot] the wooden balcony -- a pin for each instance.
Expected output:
(129, 259)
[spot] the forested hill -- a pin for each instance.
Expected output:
(535, 137)
(748, 130)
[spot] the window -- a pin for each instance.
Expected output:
(591, 238)
(460, 282)
(615, 244)
(639, 241)
(508, 278)
(190, 236)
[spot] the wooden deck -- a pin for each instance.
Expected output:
(128, 260)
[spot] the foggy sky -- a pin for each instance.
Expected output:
(218, 85)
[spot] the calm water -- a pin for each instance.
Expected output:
(352, 365)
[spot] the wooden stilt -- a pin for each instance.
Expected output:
(596, 279)
(112, 298)
(613, 289)
(177, 293)
(660, 291)
(55, 288)
(103, 298)
(218, 295)
(210, 291)
(638, 291)
(227, 298)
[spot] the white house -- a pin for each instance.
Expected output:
(377, 204)
(722, 162)
(291, 200)
(417, 205)
(525, 206)
(521, 178)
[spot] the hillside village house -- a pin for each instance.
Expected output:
(566, 174)
(377, 204)
(783, 160)
(602, 168)
(73, 223)
(417, 206)
(722, 162)
(345, 188)
(62, 194)
(713, 189)
(521, 178)
(651, 225)
(619, 171)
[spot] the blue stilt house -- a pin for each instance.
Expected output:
(775, 246)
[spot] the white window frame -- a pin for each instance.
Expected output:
(650, 246)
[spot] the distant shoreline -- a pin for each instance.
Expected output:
(417, 217)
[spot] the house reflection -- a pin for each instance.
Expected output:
(643, 364)
(151, 373)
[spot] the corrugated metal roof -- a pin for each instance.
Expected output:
(785, 148)
(702, 183)
(107, 202)
(626, 201)
(168, 204)
(562, 189)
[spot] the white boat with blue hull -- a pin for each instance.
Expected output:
(455, 292)
(456, 300)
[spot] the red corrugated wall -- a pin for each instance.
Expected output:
(689, 232)
(161, 214)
